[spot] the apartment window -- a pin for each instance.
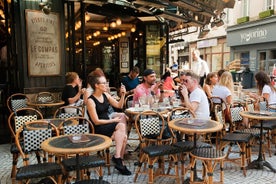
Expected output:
(269, 4)
(245, 8)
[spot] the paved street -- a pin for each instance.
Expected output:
(233, 174)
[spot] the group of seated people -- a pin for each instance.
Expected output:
(193, 96)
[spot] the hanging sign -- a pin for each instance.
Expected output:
(43, 43)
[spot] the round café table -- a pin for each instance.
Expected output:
(45, 105)
(137, 110)
(76, 144)
(195, 126)
(259, 163)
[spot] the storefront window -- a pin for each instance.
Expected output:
(226, 60)
(269, 4)
(216, 62)
(217, 48)
(153, 48)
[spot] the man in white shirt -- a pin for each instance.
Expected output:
(199, 66)
(197, 100)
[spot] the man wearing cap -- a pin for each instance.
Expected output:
(149, 86)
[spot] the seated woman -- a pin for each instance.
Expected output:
(71, 94)
(115, 125)
(168, 84)
(224, 90)
(265, 88)
(210, 81)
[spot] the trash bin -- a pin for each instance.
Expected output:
(233, 75)
(247, 76)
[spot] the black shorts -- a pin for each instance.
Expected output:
(106, 129)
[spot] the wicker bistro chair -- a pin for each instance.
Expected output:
(44, 97)
(32, 140)
(85, 161)
(186, 146)
(68, 112)
(235, 117)
(127, 104)
(210, 157)
(215, 100)
(229, 139)
(17, 119)
(150, 126)
(17, 101)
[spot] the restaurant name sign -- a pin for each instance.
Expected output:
(43, 43)
(254, 34)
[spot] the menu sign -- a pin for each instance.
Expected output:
(43, 43)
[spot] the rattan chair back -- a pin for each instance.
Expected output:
(69, 111)
(17, 101)
(81, 125)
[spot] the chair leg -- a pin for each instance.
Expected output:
(192, 161)
(268, 143)
(14, 164)
(150, 170)
(140, 164)
(176, 170)
(243, 157)
(107, 151)
(222, 171)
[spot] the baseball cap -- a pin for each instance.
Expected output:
(148, 72)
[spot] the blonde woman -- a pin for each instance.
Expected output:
(210, 81)
(224, 90)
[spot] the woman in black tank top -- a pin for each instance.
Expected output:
(114, 125)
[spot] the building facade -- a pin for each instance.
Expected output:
(246, 36)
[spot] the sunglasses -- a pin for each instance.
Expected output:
(102, 83)
(186, 80)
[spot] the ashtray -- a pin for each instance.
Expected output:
(78, 138)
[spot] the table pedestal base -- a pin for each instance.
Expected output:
(259, 164)
(187, 181)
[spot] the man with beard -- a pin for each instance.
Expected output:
(149, 86)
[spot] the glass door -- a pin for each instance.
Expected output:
(267, 59)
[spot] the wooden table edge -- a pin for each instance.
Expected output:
(46, 147)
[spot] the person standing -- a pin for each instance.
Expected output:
(199, 66)
(194, 97)
(131, 80)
